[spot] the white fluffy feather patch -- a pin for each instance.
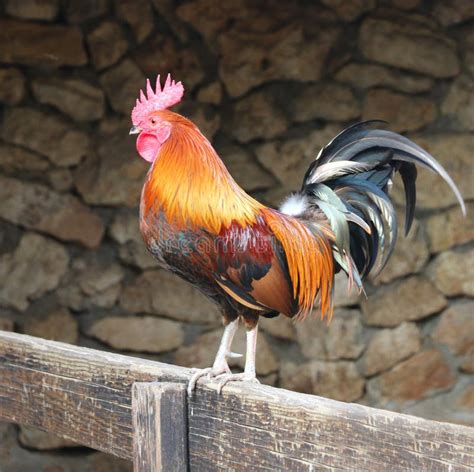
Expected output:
(295, 204)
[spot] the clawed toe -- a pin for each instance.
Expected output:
(209, 372)
(242, 377)
(195, 377)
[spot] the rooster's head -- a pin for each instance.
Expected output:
(148, 120)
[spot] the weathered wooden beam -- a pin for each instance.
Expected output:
(160, 434)
(85, 395)
(77, 393)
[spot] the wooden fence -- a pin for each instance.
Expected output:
(138, 410)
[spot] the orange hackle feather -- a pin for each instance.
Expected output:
(310, 262)
(189, 183)
(192, 185)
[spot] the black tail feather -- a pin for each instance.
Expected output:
(358, 166)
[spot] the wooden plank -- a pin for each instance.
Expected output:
(270, 429)
(85, 395)
(159, 413)
(77, 393)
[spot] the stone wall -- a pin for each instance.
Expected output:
(270, 83)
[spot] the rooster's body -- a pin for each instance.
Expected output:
(256, 261)
(201, 225)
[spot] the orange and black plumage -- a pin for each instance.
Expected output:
(257, 261)
(246, 252)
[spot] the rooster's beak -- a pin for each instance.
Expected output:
(134, 130)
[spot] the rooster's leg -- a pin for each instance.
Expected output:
(220, 365)
(248, 375)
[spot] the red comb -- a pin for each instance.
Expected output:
(160, 99)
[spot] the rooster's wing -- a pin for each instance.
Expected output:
(249, 264)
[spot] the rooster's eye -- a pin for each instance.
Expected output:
(153, 121)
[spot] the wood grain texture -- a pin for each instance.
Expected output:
(77, 393)
(160, 441)
(85, 395)
(278, 430)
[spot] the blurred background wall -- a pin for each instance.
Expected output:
(270, 83)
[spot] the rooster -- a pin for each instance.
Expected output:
(253, 260)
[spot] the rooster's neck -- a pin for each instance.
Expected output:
(189, 183)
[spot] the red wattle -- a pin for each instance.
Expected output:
(148, 146)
